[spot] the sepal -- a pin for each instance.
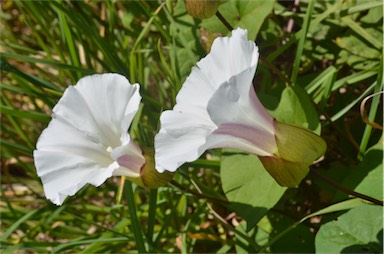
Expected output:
(297, 149)
(297, 144)
(286, 173)
(149, 176)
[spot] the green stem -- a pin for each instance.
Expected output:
(278, 236)
(224, 21)
(151, 214)
(345, 190)
(134, 220)
(275, 70)
(195, 193)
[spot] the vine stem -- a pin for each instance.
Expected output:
(224, 21)
(346, 190)
(198, 194)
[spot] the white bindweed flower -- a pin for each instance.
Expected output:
(87, 140)
(217, 107)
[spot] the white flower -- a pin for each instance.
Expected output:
(87, 139)
(217, 107)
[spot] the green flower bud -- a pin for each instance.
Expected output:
(149, 177)
(202, 9)
(297, 149)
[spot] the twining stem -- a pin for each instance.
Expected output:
(223, 222)
(275, 70)
(195, 193)
(134, 220)
(224, 21)
(345, 190)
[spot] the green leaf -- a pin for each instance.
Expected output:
(364, 33)
(375, 13)
(367, 177)
(296, 108)
(360, 230)
(347, 204)
(356, 52)
(244, 14)
(372, 185)
(249, 187)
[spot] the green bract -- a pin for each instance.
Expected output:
(149, 177)
(297, 149)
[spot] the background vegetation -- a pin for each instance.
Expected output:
(319, 60)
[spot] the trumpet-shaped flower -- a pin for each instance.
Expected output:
(87, 139)
(217, 107)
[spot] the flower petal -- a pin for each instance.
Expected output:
(243, 137)
(229, 56)
(184, 130)
(89, 121)
(66, 160)
(63, 138)
(130, 158)
(101, 105)
(180, 139)
(111, 98)
(63, 174)
(235, 101)
(238, 113)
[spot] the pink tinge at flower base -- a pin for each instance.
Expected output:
(87, 141)
(217, 107)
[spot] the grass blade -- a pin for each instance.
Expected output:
(372, 113)
(15, 225)
(134, 220)
(300, 46)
